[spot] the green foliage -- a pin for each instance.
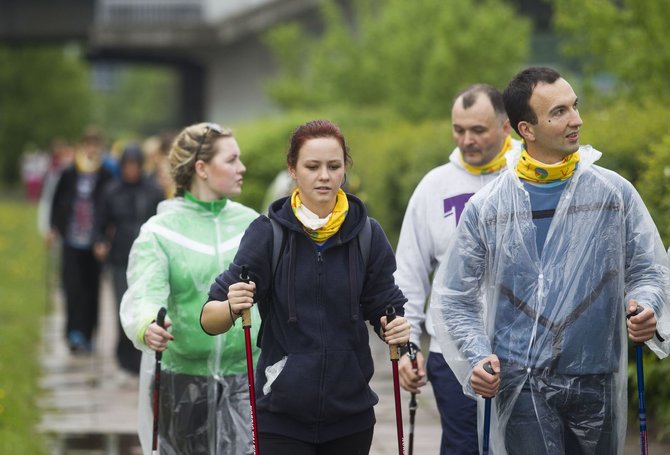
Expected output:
(627, 38)
(654, 185)
(410, 56)
(43, 94)
(143, 101)
(624, 132)
(23, 305)
(390, 156)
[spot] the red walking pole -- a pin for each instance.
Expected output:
(246, 324)
(160, 320)
(395, 356)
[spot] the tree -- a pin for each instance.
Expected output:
(142, 100)
(44, 93)
(626, 38)
(413, 56)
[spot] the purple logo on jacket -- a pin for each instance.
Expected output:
(455, 205)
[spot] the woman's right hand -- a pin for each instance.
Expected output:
(157, 337)
(241, 296)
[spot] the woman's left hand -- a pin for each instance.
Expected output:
(396, 331)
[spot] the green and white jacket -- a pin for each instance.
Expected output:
(172, 263)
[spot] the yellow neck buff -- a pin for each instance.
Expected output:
(497, 163)
(535, 171)
(320, 229)
(85, 164)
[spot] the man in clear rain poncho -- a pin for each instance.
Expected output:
(547, 261)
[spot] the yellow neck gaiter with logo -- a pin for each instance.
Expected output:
(535, 171)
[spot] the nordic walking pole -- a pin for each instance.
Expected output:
(160, 320)
(395, 355)
(412, 400)
(640, 389)
(246, 325)
(487, 415)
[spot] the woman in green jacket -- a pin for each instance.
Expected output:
(204, 393)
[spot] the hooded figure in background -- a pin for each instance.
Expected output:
(125, 206)
(548, 260)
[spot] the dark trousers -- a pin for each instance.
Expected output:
(81, 281)
(355, 444)
(458, 413)
(128, 357)
(558, 414)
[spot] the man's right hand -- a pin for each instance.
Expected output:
(411, 380)
(484, 383)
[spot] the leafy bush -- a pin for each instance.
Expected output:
(390, 156)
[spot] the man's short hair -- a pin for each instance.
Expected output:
(469, 97)
(518, 92)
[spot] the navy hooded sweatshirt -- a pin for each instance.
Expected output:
(314, 313)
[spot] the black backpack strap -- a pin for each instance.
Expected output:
(277, 247)
(277, 244)
(364, 242)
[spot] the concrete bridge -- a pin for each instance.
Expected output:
(214, 45)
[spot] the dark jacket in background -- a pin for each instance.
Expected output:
(66, 192)
(123, 209)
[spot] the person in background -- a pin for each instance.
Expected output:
(204, 404)
(481, 131)
(312, 390)
(124, 207)
(549, 266)
(72, 219)
(62, 155)
(156, 164)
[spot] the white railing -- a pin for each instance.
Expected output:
(173, 11)
(150, 11)
(222, 9)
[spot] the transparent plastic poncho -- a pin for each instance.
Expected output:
(555, 321)
(204, 395)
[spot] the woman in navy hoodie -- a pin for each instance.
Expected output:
(312, 392)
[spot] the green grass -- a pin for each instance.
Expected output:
(22, 307)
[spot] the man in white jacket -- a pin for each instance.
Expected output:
(481, 130)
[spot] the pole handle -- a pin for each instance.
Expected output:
(246, 313)
(394, 349)
(160, 320)
(411, 353)
(160, 317)
(489, 369)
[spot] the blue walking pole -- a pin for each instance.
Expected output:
(487, 415)
(640, 395)
(644, 447)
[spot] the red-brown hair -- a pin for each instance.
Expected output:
(312, 130)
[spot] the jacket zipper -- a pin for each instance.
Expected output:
(322, 391)
(219, 338)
